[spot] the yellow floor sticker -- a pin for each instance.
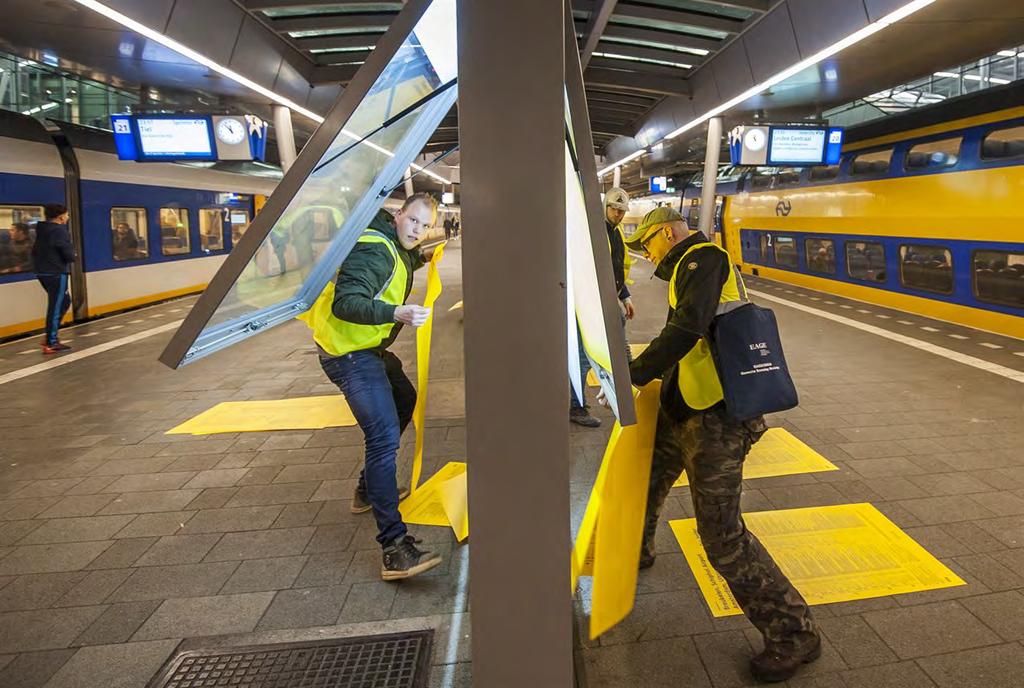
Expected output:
(304, 413)
(830, 553)
(423, 334)
(635, 349)
(454, 500)
(425, 506)
(777, 453)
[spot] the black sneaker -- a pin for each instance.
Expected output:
(361, 503)
(773, 667)
(581, 416)
(402, 559)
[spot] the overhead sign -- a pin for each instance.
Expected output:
(661, 185)
(167, 138)
(785, 146)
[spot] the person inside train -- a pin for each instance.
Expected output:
(16, 251)
(53, 254)
(354, 321)
(126, 244)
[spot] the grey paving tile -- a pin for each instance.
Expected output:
(90, 486)
(94, 588)
(197, 616)
(117, 624)
(133, 466)
(797, 496)
(37, 591)
(286, 493)
(335, 490)
(223, 477)
(661, 615)
(902, 675)
(258, 544)
(257, 575)
(10, 533)
(939, 484)
(149, 502)
(855, 641)
(987, 667)
(973, 537)
(144, 482)
(337, 511)
(1008, 530)
(336, 538)
(326, 569)
(201, 446)
(183, 580)
(46, 488)
(113, 666)
(992, 574)
(259, 475)
(199, 463)
(368, 601)
(33, 669)
(313, 473)
(458, 675)
(929, 629)
(284, 457)
(937, 541)
(304, 607)
(155, 525)
(428, 595)
(658, 663)
(949, 509)
(122, 553)
(179, 549)
(238, 459)
(77, 505)
(213, 498)
(726, 658)
(43, 629)
(76, 529)
(298, 515)
(1001, 503)
(1003, 612)
(70, 556)
(291, 440)
(235, 519)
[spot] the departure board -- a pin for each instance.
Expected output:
(175, 138)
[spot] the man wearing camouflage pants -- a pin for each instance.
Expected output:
(695, 434)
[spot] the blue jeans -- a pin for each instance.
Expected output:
(58, 300)
(585, 368)
(382, 399)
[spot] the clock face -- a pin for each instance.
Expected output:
(754, 140)
(231, 131)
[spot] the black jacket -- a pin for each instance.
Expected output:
(618, 260)
(52, 253)
(698, 286)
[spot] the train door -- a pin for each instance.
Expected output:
(73, 196)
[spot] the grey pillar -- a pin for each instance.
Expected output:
(285, 136)
(707, 196)
(517, 392)
(617, 176)
(409, 191)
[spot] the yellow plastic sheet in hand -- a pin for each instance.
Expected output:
(830, 553)
(305, 413)
(635, 349)
(423, 361)
(777, 453)
(425, 507)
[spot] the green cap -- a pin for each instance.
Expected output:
(655, 218)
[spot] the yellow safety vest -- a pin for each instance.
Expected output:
(698, 378)
(627, 260)
(339, 337)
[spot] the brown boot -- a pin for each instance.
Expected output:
(772, 667)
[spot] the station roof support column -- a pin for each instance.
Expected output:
(514, 272)
(707, 195)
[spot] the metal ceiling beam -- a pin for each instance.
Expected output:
(755, 5)
(359, 40)
(611, 106)
(680, 40)
(331, 21)
(255, 5)
(611, 128)
(644, 68)
(339, 74)
(640, 101)
(347, 57)
(682, 17)
(650, 53)
(595, 29)
(632, 81)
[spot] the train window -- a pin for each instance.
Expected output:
(788, 176)
(1003, 143)
(174, 236)
(785, 251)
(865, 260)
(764, 249)
(239, 223)
(929, 268)
(934, 154)
(824, 172)
(211, 229)
(821, 255)
(128, 233)
(761, 178)
(876, 162)
(998, 277)
(17, 234)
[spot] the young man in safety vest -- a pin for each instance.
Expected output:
(616, 204)
(354, 321)
(695, 434)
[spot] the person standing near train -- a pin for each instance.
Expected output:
(53, 254)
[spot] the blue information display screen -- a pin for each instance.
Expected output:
(796, 146)
(175, 138)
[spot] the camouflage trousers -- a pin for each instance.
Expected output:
(711, 448)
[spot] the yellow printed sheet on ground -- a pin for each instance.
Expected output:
(778, 453)
(830, 553)
(425, 506)
(304, 413)
(423, 335)
(635, 350)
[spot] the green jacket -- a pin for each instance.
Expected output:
(363, 274)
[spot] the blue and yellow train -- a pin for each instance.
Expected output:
(924, 213)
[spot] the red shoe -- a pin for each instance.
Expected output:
(61, 346)
(47, 349)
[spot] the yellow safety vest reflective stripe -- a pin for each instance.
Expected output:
(698, 378)
(339, 337)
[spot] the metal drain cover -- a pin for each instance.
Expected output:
(399, 660)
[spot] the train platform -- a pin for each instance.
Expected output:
(119, 543)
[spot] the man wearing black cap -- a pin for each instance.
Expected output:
(695, 434)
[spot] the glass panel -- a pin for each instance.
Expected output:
(865, 260)
(17, 234)
(824, 173)
(211, 229)
(999, 277)
(934, 154)
(174, 238)
(926, 267)
(764, 248)
(339, 198)
(128, 233)
(680, 27)
(239, 223)
(788, 176)
(821, 255)
(785, 251)
(871, 163)
(1003, 143)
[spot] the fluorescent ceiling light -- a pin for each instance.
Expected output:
(1007, 53)
(947, 75)
(645, 60)
(181, 49)
(632, 156)
(831, 50)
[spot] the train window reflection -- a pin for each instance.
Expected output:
(934, 154)
(865, 260)
(998, 277)
(128, 233)
(211, 229)
(821, 255)
(174, 238)
(239, 223)
(873, 163)
(825, 172)
(17, 234)
(1003, 143)
(764, 248)
(929, 268)
(785, 251)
